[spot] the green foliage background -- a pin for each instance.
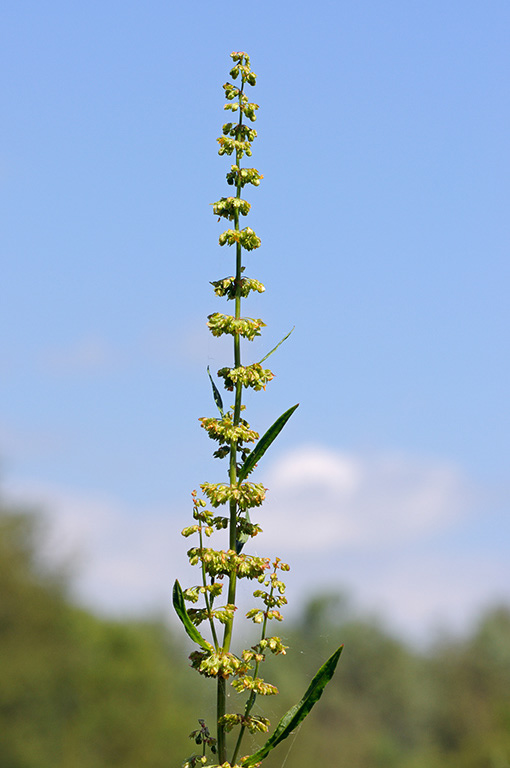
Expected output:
(77, 691)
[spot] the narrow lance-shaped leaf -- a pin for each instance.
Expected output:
(298, 712)
(216, 393)
(275, 348)
(264, 443)
(180, 609)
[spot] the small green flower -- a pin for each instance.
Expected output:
(228, 207)
(246, 495)
(228, 287)
(246, 237)
(225, 431)
(250, 376)
(247, 327)
(241, 176)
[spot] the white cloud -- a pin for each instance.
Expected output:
(450, 588)
(416, 590)
(121, 559)
(370, 524)
(323, 499)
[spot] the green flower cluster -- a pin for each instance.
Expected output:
(238, 177)
(240, 131)
(254, 723)
(193, 593)
(273, 598)
(242, 65)
(254, 684)
(247, 327)
(225, 431)
(245, 107)
(273, 644)
(245, 237)
(245, 495)
(218, 664)
(229, 206)
(258, 616)
(228, 146)
(196, 760)
(207, 522)
(229, 286)
(250, 376)
(223, 615)
(229, 563)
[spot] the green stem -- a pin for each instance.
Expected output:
(253, 695)
(220, 710)
(227, 636)
(237, 416)
(208, 603)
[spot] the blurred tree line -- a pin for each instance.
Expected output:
(78, 691)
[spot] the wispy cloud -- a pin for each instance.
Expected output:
(360, 501)
(381, 526)
(120, 559)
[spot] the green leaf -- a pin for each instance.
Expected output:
(180, 609)
(216, 393)
(264, 443)
(298, 712)
(243, 537)
(275, 348)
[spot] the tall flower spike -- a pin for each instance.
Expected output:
(222, 569)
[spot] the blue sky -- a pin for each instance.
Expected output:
(383, 140)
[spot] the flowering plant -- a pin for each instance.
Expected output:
(243, 448)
